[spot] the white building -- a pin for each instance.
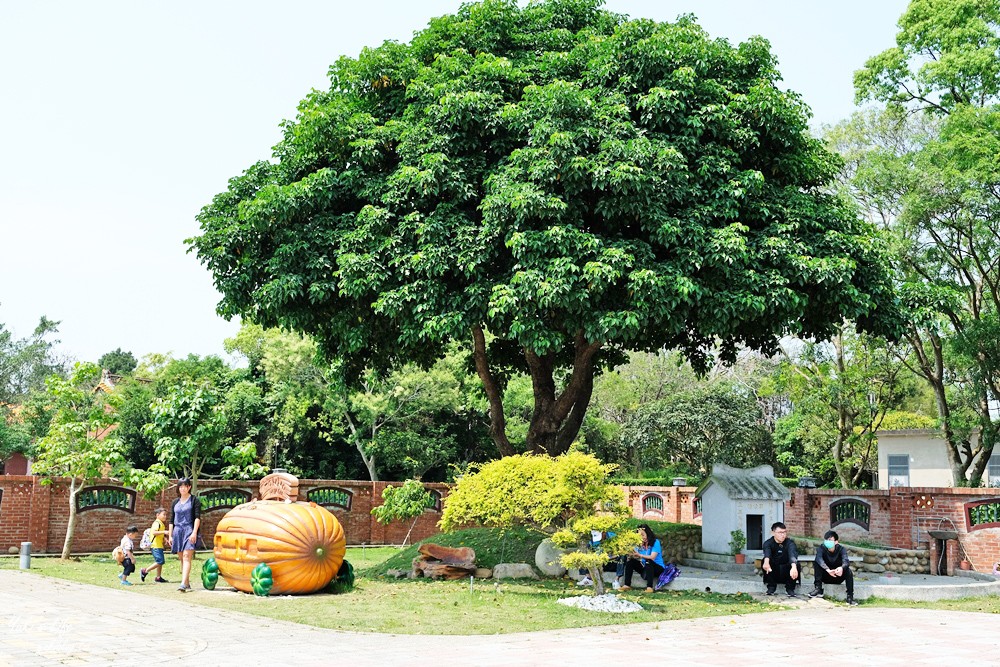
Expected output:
(919, 457)
(736, 499)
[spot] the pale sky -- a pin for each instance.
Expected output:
(120, 120)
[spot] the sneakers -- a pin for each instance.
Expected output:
(816, 592)
(791, 594)
(615, 585)
(161, 580)
(183, 589)
(625, 588)
(852, 602)
(649, 589)
(126, 582)
(142, 574)
(770, 592)
(585, 582)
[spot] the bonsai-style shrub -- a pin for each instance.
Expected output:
(566, 496)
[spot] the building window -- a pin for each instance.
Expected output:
(697, 507)
(899, 470)
(993, 471)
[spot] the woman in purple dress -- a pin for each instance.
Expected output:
(185, 520)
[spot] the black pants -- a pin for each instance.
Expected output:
(780, 574)
(128, 567)
(647, 569)
(821, 577)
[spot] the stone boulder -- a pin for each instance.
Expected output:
(439, 562)
(547, 559)
(514, 571)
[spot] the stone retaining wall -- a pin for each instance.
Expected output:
(879, 561)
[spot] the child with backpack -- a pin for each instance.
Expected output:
(156, 535)
(128, 558)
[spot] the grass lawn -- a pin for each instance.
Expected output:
(379, 604)
(983, 605)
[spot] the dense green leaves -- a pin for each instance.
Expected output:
(935, 182)
(559, 177)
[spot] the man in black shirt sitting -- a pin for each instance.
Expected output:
(832, 566)
(781, 561)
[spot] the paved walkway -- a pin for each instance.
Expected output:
(46, 621)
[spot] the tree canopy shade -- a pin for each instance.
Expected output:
(557, 183)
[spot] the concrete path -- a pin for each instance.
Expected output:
(46, 621)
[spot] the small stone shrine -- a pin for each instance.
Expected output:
(749, 500)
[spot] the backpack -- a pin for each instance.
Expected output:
(147, 539)
(118, 554)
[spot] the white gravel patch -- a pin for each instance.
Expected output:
(607, 602)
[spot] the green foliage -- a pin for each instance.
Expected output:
(933, 178)
(118, 362)
(344, 581)
(79, 443)
(567, 495)
(696, 428)
(25, 363)
(571, 182)
(399, 503)
(842, 390)
(187, 428)
(737, 540)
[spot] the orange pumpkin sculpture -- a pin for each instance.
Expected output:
(302, 543)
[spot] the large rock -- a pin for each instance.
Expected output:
(438, 562)
(448, 555)
(514, 571)
(547, 559)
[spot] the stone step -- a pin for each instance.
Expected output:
(718, 558)
(717, 566)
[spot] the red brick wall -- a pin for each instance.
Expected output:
(901, 517)
(37, 513)
(678, 503)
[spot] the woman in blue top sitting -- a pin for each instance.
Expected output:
(647, 560)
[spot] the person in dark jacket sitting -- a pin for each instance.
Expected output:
(781, 561)
(832, 566)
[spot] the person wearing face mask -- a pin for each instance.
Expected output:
(832, 566)
(781, 561)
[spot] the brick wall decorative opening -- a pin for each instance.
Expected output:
(331, 496)
(435, 502)
(652, 503)
(982, 514)
(223, 499)
(105, 497)
(850, 510)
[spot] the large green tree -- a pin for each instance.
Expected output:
(555, 184)
(25, 363)
(935, 180)
(80, 444)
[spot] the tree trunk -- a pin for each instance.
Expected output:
(932, 370)
(556, 422)
(355, 438)
(71, 525)
(597, 576)
(845, 425)
(498, 422)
